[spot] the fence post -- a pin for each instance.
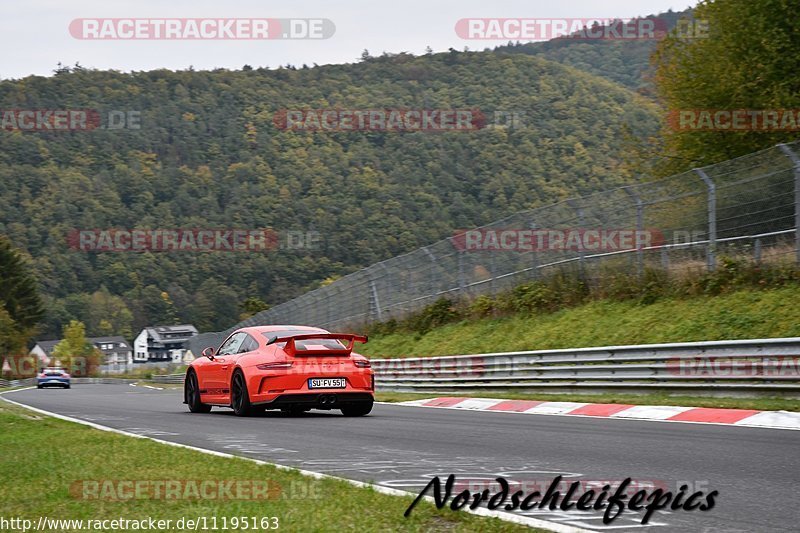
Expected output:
(492, 270)
(432, 278)
(534, 258)
(796, 160)
(711, 254)
(461, 279)
(639, 228)
(581, 253)
(374, 301)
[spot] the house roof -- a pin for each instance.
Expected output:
(161, 334)
(48, 346)
(115, 340)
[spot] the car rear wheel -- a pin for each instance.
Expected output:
(191, 393)
(240, 398)
(360, 409)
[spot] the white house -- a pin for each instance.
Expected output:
(162, 344)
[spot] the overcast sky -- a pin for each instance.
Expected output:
(36, 33)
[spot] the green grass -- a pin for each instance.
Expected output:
(761, 404)
(744, 314)
(42, 456)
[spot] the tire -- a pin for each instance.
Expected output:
(191, 394)
(360, 409)
(67, 387)
(39, 387)
(240, 398)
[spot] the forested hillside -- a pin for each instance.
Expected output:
(626, 62)
(208, 155)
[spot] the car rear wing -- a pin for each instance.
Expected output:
(291, 347)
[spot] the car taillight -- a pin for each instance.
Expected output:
(273, 366)
(64, 375)
(362, 364)
(42, 375)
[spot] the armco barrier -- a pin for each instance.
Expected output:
(27, 382)
(169, 378)
(744, 368)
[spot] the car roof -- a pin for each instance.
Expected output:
(267, 329)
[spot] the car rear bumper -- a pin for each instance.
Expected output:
(318, 400)
(266, 388)
(52, 382)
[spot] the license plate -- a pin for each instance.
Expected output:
(326, 383)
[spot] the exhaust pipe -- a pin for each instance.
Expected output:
(327, 399)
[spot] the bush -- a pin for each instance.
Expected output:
(481, 307)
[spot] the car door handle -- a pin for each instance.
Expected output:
(224, 367)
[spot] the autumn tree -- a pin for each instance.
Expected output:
(74, 352)
(747, 58)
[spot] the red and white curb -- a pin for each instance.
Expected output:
(662, 413)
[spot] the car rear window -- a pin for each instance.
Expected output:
(310, 344)
(316, 344)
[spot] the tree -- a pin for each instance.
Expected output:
(748, 60)
(251, 306)
(19, 299)
(74, 352)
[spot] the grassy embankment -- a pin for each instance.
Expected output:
(741, 314)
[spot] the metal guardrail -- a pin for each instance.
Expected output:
(741, 368)
(745, 367)
(103, 381)
(168, 378)
(27, 382)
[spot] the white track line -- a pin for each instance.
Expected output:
(508, 517)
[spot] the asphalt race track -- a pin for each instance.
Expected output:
(756, 471)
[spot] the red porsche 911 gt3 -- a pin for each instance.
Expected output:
(293, 368)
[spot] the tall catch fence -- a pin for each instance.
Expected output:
(748, 206)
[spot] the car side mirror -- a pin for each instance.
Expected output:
(208, 352)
